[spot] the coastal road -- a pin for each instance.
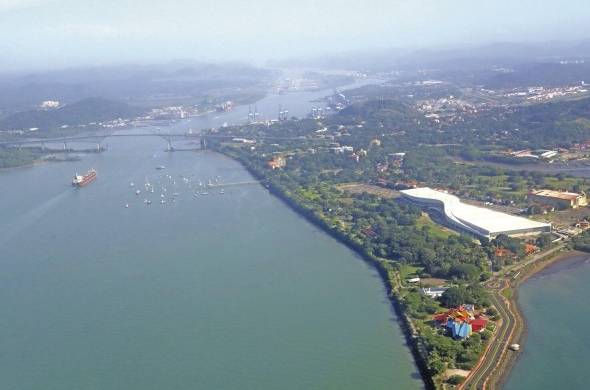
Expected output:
(538, 256)
(479, 376)
(499, 345)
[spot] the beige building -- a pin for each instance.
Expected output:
(558, 199)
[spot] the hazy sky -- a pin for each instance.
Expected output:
(55, 33)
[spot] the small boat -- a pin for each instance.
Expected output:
(137, 192)
(221, 192)
(162, 201)
(132, 184)
(126, 205)
(160, 167)
(147, 201)
(204, 193)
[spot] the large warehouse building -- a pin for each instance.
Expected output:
(478, 221)
(561, 200)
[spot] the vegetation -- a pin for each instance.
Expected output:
(582, 242)
(455, 380)
(142, 85)
(10, 157)
(458, 295)
(392, 234)
(80, 113)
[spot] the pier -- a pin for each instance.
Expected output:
(235, 184)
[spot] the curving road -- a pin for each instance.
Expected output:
(479, 376)
(499, 345)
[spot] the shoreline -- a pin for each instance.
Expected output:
(505, 366)
(404, 322)
(33, 164)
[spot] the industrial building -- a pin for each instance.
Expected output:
(557, 199)
(479, 221)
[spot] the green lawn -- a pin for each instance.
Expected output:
(407, 271)
(433, 227)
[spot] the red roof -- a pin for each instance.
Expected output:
(478, 324)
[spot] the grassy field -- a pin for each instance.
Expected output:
(434, 228)
(409, 271)
(359, 188)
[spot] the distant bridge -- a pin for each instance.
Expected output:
(98, 138)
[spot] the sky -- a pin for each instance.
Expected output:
(62, 33)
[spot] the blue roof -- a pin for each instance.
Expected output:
(464, 330)
(459, 329)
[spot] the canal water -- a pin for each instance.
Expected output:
(555, 305)
(101, 290)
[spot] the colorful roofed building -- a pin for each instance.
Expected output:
(503, 252)
(462, 321)
(478, 324)
(529, 249)
(459, 329)
(277, 162)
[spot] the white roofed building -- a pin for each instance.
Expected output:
(479, 221)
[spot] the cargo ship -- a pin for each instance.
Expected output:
(82, 180)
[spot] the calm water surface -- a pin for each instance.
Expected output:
(555, 304)
(217, 291)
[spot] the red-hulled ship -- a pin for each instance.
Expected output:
(82, 180)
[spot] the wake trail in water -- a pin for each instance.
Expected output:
(25, 220)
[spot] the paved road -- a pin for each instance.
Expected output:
(538, 256)
(499, 345)
(502, 339)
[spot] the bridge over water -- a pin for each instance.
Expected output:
(97, 139)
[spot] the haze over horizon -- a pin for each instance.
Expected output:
(104, 32)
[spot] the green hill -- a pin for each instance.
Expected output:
(79, 113)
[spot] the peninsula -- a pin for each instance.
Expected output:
(451, 258)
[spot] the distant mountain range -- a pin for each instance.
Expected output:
(82, 112)
(468, 58)
(548, 74)
(135, 84)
